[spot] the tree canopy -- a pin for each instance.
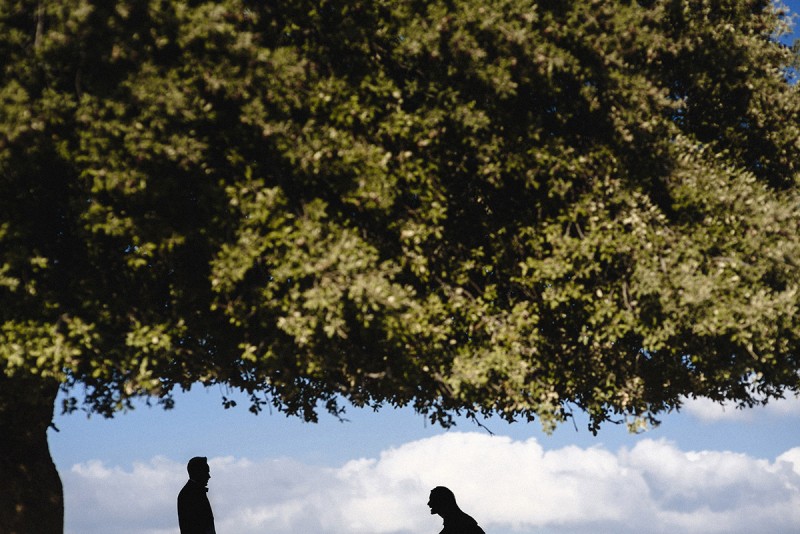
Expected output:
(505, 206)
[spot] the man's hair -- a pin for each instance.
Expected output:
(444, 496)
(197, 465)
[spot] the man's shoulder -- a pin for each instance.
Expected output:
(190, 489)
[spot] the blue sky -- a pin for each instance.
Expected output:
(704, 470)
(372, 474)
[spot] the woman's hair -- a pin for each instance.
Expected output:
(443, 496)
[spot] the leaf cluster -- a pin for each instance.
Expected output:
(512, 207)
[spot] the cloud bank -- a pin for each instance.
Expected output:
(709, 411)
(508, 486)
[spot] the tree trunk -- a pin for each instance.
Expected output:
(31, 495)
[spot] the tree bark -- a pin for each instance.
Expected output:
(31, 495)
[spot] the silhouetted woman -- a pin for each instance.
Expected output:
(443, 503)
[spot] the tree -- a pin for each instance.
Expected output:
(512, 207)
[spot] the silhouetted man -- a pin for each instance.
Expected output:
(194, 510)
(443, 502)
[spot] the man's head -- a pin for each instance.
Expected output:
(442, 501)
(199, 470)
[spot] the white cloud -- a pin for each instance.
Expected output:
(508, 486)
(709, 411)
(98, 497)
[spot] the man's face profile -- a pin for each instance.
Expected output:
(204, 474)
(199, 471)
